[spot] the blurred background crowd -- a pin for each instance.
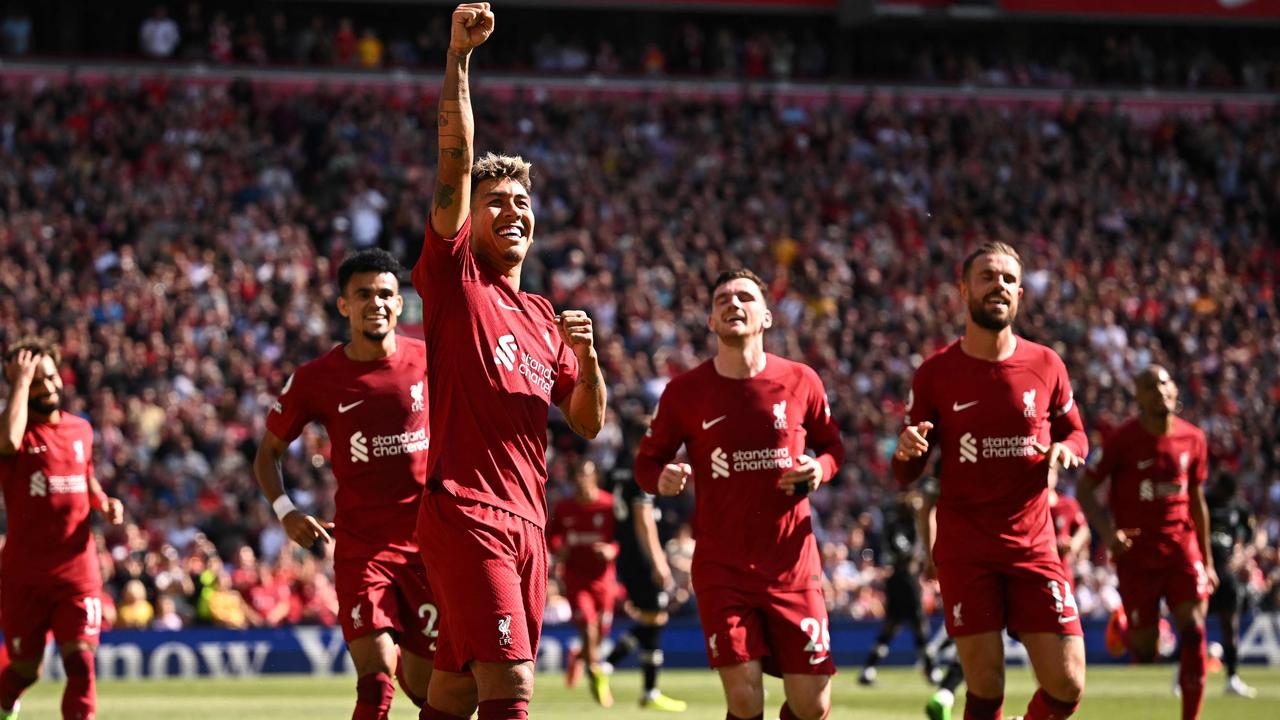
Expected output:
(674, 43)
(181, 240)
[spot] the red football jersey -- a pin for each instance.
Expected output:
(496, 364)
(578, 526)
(1067, 518)
(1150, 476)
(741, 436)
(993, 492)
(376, 415)
(46, 496)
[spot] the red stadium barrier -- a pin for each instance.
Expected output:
(1223, 9)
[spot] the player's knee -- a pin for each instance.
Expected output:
(985, 680)
(810, 708)
(504, 680)
(745, 699)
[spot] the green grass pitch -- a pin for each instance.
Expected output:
(1123, 693)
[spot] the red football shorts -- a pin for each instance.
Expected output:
(488, 572)
(592, 602)
(29, 612)
(1142, 586)
(1027, 597)
(787, 631)
(380, 595)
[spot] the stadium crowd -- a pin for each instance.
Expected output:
(554, 40)
(180, 242)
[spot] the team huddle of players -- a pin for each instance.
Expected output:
(442, 532)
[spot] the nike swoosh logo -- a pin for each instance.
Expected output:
(1062, 620)
(343, 408)
(505, 306)
(1144, 464)
(817, 660)
(706, 424)
(957, 407)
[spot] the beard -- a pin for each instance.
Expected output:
(375, 335)
(984, 319)
(43, 405)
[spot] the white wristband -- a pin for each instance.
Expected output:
(283, 506)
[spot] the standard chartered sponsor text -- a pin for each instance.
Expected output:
(410, 441)
(762, 459)
(1009, 446)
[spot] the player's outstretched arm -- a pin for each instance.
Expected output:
(301, 528)
(471, 25)
(18, 372)
(584, 408)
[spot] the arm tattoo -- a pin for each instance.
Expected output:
(453, 153)
(444, 196)
(591, 380)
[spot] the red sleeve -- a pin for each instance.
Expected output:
(1200, 474)
(441, 258)
(822, 429)
(1066, 427)
(566, 373)
(660, 443)
(291, 412)
(921, 406)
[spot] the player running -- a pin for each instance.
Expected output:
(1000, 408)
(370, 396)
(1230, 531)
(745, 418)
(581, 534)
(51, 576)
(498, 359)
(1158, 527)
(643, 569)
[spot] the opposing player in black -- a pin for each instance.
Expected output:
(1230, 529)
(902, 587)
(643, 570)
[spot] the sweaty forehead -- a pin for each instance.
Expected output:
(46, 368)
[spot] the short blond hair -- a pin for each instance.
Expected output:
(493, 166)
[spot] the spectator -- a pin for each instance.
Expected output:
(133, 612)
(369, 49)
(159, 34)
(15, 33)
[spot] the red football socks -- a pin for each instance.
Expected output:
(1044, 706)
(980, 708)
(1191, 652)
(79, 698)
(373, 696)
(505, 709)
(430, 713)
